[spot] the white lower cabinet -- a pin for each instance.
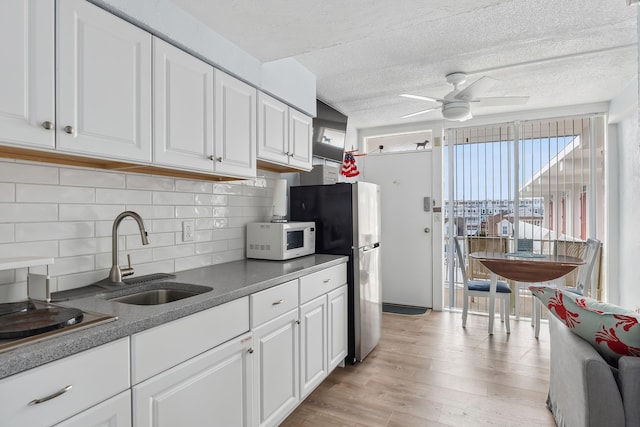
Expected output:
(212, 389)
(115, 412)
(53, 392)
(337, 326)
(313, 344)
(275, 369)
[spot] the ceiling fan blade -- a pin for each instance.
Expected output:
(502, 100)
(420, 112)
(472, 91)
(421, 98)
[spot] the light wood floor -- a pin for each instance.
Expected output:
(428, 371)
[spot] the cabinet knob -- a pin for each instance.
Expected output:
(250, 351)
(47, 125)
(68, 129)
(217, 159)
(291, 154)
(297, 322)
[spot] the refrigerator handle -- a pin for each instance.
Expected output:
(371, 247)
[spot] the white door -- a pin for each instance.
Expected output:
(103, 84)
(114, 412)
(27, 83)
(235, 126)
(338, 326)
(212, 389)
(276, 390)
(313, 344)
(182, 108)
(273, 129)
(406, 242)
(300, 132)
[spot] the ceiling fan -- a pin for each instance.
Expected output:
(456, 104)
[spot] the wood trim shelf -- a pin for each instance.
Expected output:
(97, 163)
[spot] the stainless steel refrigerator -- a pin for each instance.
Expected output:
(347, 218)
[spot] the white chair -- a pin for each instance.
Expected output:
(524, 245)
(480, 288)
(582, 282)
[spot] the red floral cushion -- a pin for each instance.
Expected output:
(611, 330)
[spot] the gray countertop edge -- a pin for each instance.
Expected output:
(229, 281)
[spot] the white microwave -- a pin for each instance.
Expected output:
(280, 240)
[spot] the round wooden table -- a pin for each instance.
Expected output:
(523, 267)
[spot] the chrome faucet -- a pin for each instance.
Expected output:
(117, 273)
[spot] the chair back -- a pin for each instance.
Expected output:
(483, 244)
(584, 273)
(525, 245)
(461, 263)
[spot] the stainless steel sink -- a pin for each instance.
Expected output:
(160, 293)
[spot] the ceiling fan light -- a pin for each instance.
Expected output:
(459, 111)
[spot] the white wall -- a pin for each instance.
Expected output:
(625, 234)
(67, 213)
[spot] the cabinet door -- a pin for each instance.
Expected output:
(275, 365)
(235, 126)
(182, 108)
(273, 130)
(338, 304)
(103, 84)
(27, 83)
(300, 132)
(115, 412)
(313, 344)
(212, 389)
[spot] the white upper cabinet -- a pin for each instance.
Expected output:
(284, 134)
(235, 126)
(182, 108)
(273, 129)
(27, 85)
(300, 133)
(103, 84)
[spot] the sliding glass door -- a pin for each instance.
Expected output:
(534, 181)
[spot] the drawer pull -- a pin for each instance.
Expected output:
(51, 396)
(326, 280)
(277, 302)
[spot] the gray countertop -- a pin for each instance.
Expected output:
(229, 281)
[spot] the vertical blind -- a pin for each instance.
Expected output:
(538, 180)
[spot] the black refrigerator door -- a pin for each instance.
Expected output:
(330, 206)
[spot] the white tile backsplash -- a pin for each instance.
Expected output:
(7, 192)
(89, 212)
(67, 213)
(167, 198)
(54, 193)
(7, 233)
(150, 182)
(28, 173)
(26, 212)
(109, 196)
(53, 231)
(194, 186)
(91, 178)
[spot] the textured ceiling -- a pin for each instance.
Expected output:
(365, 53)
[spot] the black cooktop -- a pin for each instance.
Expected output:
(34, 321)
(31, 321)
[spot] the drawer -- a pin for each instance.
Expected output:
(319, 283)
(272, 302)
(94, 376)
(160, 348)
